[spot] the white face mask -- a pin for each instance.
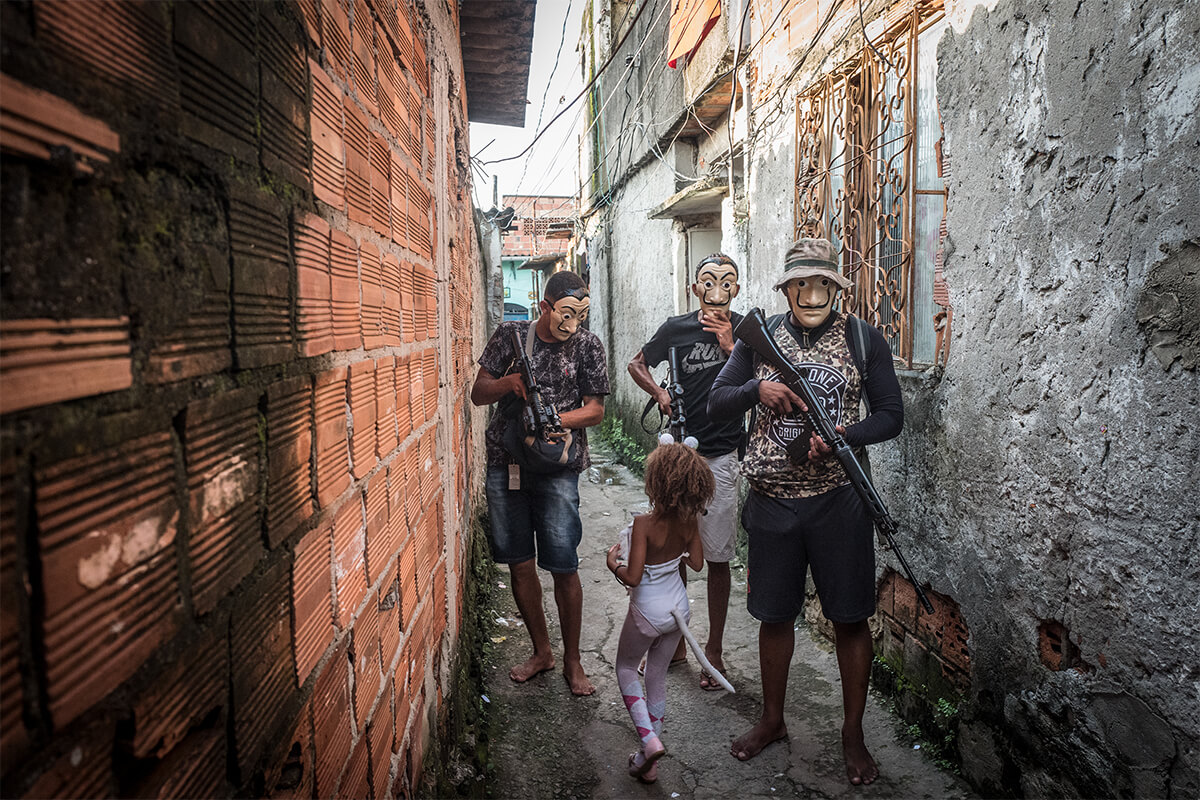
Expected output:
(811, 299)
(566, 315)
(716, 285)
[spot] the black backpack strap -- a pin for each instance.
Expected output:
(856, 330)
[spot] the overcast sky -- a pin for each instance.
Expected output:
(549, 168)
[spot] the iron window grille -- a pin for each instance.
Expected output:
(869, 178)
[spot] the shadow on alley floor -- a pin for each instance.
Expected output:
(547, 743)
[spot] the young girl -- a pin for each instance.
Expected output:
(679, 484)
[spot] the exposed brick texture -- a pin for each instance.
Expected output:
(231, 412)
(932, 648)
(107, 524)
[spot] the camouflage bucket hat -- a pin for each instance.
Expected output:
(810, 258)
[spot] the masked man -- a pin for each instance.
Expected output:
(536, 515)
(802, 512)
(704, 340)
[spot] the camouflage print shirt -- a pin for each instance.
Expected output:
(566, 372)
(824, 354)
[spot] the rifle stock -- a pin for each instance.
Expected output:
(753, 331)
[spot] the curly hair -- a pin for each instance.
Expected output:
(679, 482)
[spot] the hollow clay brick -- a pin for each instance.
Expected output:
(333, 452)
(312, 599)
(371, 270)
(32, 122)
(363, 409)
(349, 559)
(314, 305)
(45, 361)
(347, 325)
(385, 398)
(329, 149)
(106, 524)
(332, 724)
(261, 646)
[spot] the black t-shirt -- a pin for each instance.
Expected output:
(700, 361)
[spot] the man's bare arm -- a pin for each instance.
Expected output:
(487, 388)
(589, 414)
(642, 377)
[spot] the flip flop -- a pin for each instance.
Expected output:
(708, 683)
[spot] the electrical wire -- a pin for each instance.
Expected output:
(586, 88)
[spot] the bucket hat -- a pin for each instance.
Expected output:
(810, 258)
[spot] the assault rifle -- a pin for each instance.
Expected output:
(540, 418)
(753, 331)
(677, 422)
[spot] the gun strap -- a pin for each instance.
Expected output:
(652, 403)
(529, 341)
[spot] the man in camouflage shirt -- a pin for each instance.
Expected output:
(802, 511)
(536, 514)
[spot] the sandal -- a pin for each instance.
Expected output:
(708, 683)
(642, 762)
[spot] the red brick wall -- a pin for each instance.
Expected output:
(533, 215)
(236, 338)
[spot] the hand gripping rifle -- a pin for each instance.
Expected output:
(540, 418)
(753, 331)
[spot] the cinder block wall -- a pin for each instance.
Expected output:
(237, 283)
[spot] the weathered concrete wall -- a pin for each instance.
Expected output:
(1045, 479)
(636, 291)
(238, 282)
(1050, 475)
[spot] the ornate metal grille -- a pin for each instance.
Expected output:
(855, 166)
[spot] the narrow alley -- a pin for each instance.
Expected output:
(253, 256)
(551, 744)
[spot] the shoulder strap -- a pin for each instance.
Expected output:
(857, 328)
(529, 334)
(773, 322)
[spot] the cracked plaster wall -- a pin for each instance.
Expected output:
(1053, 467)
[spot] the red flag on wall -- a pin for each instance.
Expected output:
(691, 20)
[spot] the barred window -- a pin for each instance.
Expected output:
(869, 177)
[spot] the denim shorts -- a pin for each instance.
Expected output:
(541, 518)
(832, 534)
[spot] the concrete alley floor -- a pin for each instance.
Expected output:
(547, 743)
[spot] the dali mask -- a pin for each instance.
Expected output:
(716, 285)
(811, 299)
(566, 314)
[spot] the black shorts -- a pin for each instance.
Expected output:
(832, 534)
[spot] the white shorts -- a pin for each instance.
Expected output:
(718, 528)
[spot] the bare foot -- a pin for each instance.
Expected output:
(577, 679)
(860, 767)
(535, 666)
(752, 742)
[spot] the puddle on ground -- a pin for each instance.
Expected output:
(604, 474)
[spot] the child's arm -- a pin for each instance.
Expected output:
(695, 550)
(630, 573)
